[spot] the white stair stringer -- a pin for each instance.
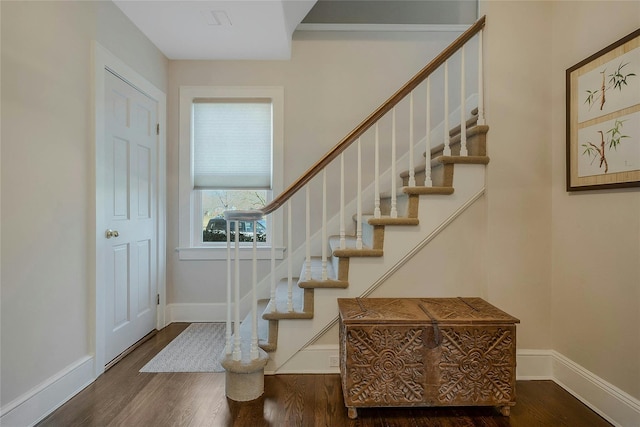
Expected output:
(367, 273)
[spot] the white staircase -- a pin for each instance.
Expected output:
(389, 227)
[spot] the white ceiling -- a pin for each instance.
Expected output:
(205, 29)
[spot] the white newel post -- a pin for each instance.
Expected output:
(244, 378)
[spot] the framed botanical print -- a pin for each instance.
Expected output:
(603, 118)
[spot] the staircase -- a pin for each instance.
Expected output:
(419, 202)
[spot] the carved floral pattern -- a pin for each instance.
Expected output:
(386, 365)
(476, 366)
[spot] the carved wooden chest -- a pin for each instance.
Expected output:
(426, 352)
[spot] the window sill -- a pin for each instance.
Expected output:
(220, 253)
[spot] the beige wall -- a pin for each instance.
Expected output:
(47, 179)
(595, 253)
(566, 264)
(517, 43)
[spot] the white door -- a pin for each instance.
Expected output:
(131, 216)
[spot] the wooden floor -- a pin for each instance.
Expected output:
(125, 397)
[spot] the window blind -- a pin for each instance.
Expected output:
(232, 143)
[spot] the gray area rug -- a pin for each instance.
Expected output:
(199, 348)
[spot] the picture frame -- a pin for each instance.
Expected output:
(603, 118)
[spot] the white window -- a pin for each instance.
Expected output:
(230, 158)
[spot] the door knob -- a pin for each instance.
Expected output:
(111, 233)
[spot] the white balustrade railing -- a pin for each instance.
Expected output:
(463, 98)
(447, 139)
(394, 142)
(380, 127)
(427, 153)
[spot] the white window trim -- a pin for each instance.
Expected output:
(188, 249)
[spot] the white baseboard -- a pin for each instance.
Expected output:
(40, 401)
(312, 360)
(611, 403)
(534, 365)
(196, 313)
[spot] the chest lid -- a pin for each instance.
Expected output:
(412, 310)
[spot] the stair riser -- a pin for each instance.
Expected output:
(476, 144)
(441, 176)
(373, 236)
(406, 205)
(341, 265)
(402, 204)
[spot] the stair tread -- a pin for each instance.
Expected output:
(350, 249)
(442, 160)
(422, 190)
(474, 160)
(454, 138)
(419, 190)
(388, 220)
(316, 280)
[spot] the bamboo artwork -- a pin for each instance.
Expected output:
(603, 118)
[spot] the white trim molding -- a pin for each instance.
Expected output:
(611, 403)
(219, 253)
(188, 213)
(534, 365)
(315, 359)
(196, 312)
(37, 403)
(400, 28)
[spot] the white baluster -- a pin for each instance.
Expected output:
(412, 178)
(394, 208)
(254, 295)
(359, 199)
(447, 148)
(324, 224)
(307, 272)
(272, 232)
(289, 259)
(376, 211)
(427, 168)
(228, 331)
(343, 240)
(237, 352)
(463, 91)
(480, 81)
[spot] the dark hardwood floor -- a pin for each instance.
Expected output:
(125, 397)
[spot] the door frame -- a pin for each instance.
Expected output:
(105, 60)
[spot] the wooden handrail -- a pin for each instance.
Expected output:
(374, 117)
